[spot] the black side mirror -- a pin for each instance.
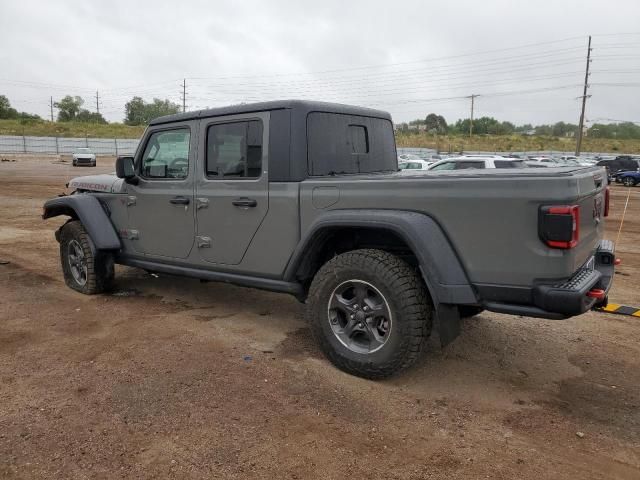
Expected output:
(125, 169)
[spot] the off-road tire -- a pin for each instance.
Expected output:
(99, 267)
(467, 311)
(407, 299)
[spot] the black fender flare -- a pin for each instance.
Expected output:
(440, 265)
(91, 214)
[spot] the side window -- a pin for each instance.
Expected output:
(167, 154)
(467, 165)
(359, 139)
(445, 166)
(510, 164)
(344, 144)
(234, 150)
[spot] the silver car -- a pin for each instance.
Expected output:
(83, 156)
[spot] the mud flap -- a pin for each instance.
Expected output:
(448, 323)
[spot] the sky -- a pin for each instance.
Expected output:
(525, 60)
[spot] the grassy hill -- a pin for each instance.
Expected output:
(514, 143)
(69, 129)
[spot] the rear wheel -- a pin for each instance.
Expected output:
(628, 182)
(369, 312)
(83, 270)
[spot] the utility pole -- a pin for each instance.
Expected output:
(97, 102)
(584, 99)
(51, 105)
(472, 97)
(184, 95)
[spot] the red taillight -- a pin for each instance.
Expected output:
(597, 293)
(607, 194)
(559, 225)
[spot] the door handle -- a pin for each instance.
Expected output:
(244, 202)
(180, 200)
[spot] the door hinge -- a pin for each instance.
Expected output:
(131, 200)
(202, 203)
(203, 242)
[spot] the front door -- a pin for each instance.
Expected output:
(160, 207)
(232, 191)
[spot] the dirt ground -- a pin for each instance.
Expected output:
(175, 378)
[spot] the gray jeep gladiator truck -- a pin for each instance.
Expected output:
(305, 198)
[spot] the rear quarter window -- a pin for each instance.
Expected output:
(464, 165)
(510, 164)
(338, 143)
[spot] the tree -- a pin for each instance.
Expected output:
(68, 107)
(6, 111)
(139, 112)
(89, 117)
(436, 123)
(544, 130)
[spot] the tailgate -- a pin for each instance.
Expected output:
(592, 188)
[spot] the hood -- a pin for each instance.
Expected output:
(107, 182)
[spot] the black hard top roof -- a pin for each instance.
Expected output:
(300, 106)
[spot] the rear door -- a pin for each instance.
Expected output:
(232, 190)
(160, 207)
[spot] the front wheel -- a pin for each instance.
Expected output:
(84, 271)
(370, 313)
(629, 182)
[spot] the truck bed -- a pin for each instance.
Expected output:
(489, 216)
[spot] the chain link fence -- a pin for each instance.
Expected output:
(67, 146)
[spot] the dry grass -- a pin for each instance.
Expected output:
(69, 129)
(515, 143)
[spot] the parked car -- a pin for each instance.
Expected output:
(304, 198)
(620, 164)
(468, 161)
(628, 179)
(83, 156)
(408, 157)
(413, 165)
(430, 157)
(543, 161)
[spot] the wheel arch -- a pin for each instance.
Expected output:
(409, 234)
(89, 211)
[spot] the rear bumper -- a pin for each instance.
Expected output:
(569, 297)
